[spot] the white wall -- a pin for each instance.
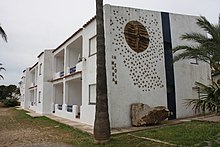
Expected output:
(186, 74)
(39, 108)
(58, 93)
(27, 91)
(73, 52)
(88, 75)
(133, 77)
(75, 92)
(59, 62)
(47, 74)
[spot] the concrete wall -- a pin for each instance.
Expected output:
(40, 85)
(74, 92)
(88, 75)
(47, 85)
(186, 74)
(58, 93)
(27, 91)
(73, 52)
(133, 77)
(140, 77)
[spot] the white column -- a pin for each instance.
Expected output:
(64, 96)
(66, 60)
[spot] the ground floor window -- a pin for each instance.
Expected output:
(39, 97)
(92, 93)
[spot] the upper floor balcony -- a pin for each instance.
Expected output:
(59, 65)
(33, 75)
(74, 56)
(68, 60)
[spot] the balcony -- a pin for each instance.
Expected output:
(58, 75)
(71, 112)
(73, 69)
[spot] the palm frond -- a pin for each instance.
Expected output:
(2, 68)
(206, 48)
(197, 37)
(206, 25)
(1, 77)
(189, 52)
(209, 98)
(2, 32)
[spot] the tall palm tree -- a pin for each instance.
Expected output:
(1, 68)
(102, 125)
(2, 32)
(206, 47)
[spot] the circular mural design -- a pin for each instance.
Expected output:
(136, 36)
(143, 63)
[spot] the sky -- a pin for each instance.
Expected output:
(35, 25)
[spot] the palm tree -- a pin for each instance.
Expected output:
(206, 47)
(101, 125)
(1, 68)
(2, 32)
(209, 98)
(4, 36)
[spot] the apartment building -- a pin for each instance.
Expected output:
(139, 64)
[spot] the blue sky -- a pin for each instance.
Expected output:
(35, 25)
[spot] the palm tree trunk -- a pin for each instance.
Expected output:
(102, 124)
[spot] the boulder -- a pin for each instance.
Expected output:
(142, 114)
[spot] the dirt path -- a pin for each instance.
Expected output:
(15, 131)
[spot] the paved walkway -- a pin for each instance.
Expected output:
(89, 129)
(210, 118)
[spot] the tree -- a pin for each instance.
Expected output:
(4, 36)
(7, 91)
(101, 124)
(1, 68)
(206, 47)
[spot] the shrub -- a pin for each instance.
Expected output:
(209, 98)
(10, 102)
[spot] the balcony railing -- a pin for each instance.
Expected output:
(61, 74)
(69, 108)
(59, 107)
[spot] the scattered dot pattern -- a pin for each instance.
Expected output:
(114, 70)
(143, 67)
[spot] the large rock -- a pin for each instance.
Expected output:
(142, 114)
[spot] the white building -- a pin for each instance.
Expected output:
(36, 87)
(139, 68)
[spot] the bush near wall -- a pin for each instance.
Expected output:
(10, 102)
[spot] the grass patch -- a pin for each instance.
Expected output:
(186, 134)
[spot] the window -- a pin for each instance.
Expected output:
(40, 69)
(194, 61)
(92, 46)
(39, 97)
(92, 94)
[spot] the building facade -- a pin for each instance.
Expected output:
(139, 64)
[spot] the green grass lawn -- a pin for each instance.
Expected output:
(193, 133)
(186, 134)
